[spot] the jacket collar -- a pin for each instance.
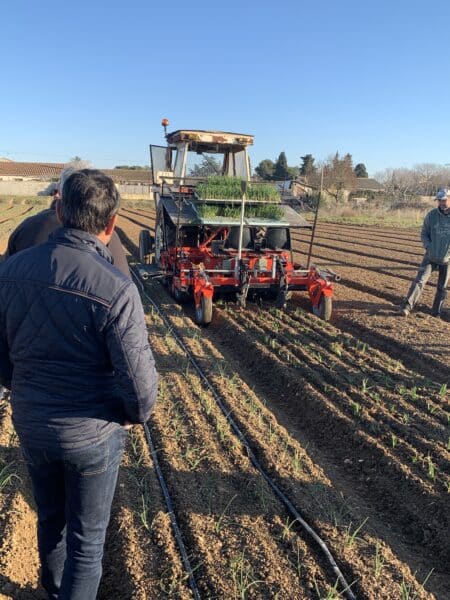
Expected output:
(77, 237)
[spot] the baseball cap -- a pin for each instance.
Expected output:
(444, 193)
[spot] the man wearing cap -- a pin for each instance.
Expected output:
(436, 241)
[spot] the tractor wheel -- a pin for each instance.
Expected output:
(180, 297)
(145, 245)
(324, 309)
(203, 313)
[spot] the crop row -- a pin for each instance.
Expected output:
(374, 402)
(326, 411)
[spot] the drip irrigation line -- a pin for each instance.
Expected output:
(173, 520)
(166, 493)
(276, 489)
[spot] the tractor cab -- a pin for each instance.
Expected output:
(192, 155)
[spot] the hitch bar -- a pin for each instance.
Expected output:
(328, 274)
(147, 272)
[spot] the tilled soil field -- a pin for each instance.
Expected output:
(11, 214)
(350, 419)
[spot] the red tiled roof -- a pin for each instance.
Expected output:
(128, 175)
(26, 169)
(53, 170)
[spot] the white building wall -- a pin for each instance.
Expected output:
(128, 191)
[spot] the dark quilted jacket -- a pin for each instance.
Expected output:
(73, 343)
(36, 229)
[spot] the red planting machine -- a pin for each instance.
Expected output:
(238, 243)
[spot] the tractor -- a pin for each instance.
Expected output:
(223, 234)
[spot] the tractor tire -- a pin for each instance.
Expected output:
(324, 309)
(145, 244)
(180, 297)
(203, 314)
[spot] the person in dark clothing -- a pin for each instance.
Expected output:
(74, 352)
(436, 241)
(36, 229)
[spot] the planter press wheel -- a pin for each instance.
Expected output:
(324, 309)
(145, 244)
(203, 313)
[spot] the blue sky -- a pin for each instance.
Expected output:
(95, 78)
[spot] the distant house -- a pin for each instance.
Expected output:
(27, 171)
(11, 170)
(135, 176)
(367, 184)
(295, 188)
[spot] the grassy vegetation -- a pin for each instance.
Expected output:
(381, 215)
(229, 188)
(265, 211)
(6, 199)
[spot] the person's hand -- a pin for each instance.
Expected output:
(127, 425)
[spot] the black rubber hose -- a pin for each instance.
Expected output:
(167, 498)
(173, 520)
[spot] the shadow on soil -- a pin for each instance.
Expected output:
(114, 579)
(224, 497)
(10, 589)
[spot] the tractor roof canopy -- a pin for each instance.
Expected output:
(196, 153)
(210, 141)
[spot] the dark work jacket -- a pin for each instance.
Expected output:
(436, 236)
(73, 343)
(36, 229)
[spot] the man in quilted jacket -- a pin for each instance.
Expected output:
(436, 241)
(74, 352)
(35, 230)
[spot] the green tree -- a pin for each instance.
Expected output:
(307, 168)
(266, 169)
(281, 168)
(360, 170)
(130, 167)
(293, 172)
(208, 166)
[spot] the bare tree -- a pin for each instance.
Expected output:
(338, 176)
(78, 163)
(431, 177)
(399, 184)
(405, 185)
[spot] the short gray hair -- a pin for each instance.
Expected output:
(63, 177)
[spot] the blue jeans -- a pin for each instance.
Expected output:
(73, 490)
(426, 268)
